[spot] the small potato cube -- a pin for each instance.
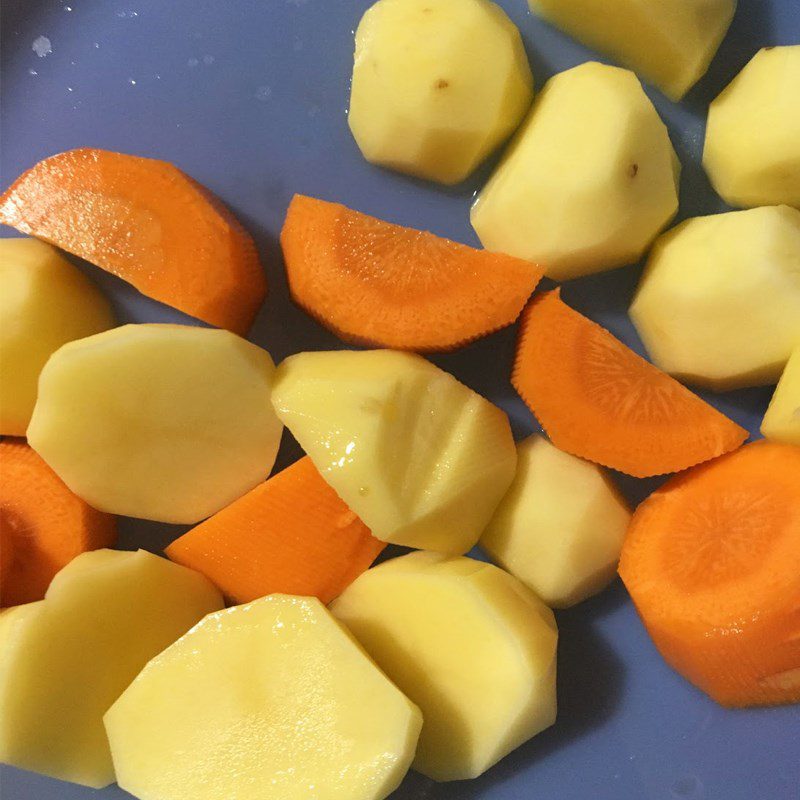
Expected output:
(782, 420)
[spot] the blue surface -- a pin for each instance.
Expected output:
(249, 97)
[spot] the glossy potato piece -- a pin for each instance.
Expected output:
(588, 182)
(752, 147)
(719, 302)
(163, 422)
(419, 457)
(65, 659)
(560, 527)
(668, 42)
(469, 644)
(267, 701)
(782, 420)
(437, 85)
(44, 302)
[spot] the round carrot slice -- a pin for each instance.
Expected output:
(148, 223)
(379, 284)
(44, 525)
(598, 399)
(712, 562)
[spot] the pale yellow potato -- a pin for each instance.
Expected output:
(668, 42)
(588, 182)
(782, 420)
(719, 302)
(267, 701)
(163, 422)
(437, 85)
(67, 658)
(44, 302)
(560, 527)
(421, 458)
(469, 644)
(752, 147)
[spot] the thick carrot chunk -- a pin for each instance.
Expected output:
(598, 399)
(379, 284)
(43, 526)
(712, 562)
(291, 535)
(148, 223)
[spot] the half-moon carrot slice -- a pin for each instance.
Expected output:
(291, 535)
(375, 283)
(598, 399)
(712, 562)
(147, 222)
(44, 525)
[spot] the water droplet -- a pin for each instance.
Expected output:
(157, 76)
(42, 46)
(72, 63)
(96, 45)
(263, 93)
(32, 72)
(192, 62)
(70, 89)
(67, 8)
(131, 81)
(208, 60)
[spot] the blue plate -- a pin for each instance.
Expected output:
(249, 97)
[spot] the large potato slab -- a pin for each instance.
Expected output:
(560, 527)
(65, 659)
(437, 85)
(44, 302)
(719, 302)
(782, 420)
(469, 644)
(752, 147)
(267, 701)
(588, 182)
(419, 457)
(162, 422)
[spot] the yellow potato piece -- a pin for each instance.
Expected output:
(422, 459)
(437, 85)
(469, 644)
(67, 658)
(44, 302)
(560, 527)
(267, 701)
(719, 302)
(668, 42)
(752, 148)
(162, 422)
(588, 182)
(782, 420)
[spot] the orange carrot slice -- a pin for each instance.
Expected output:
(379, 284)
(291, 535)
(43, 525)
(712, 562)
(598, 399)
(148, 223)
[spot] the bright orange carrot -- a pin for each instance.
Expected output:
(712, 562)
(291, 534)
(148, 223)
(598, 399)
(375, 283)
(44, 526)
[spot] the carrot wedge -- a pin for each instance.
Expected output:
(384, 285)
(291, 535)
(598, 399)
(712, 562)
(148, 223)
(43, 525)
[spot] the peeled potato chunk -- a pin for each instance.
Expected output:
(752, 148)
(65, 659)
(469, 644)
(561, 526)
(437, 85)
(44, 302)
(668, 42)
(419, 457)
(163, 422)
(267, 701)
(719, 302)
(782, 420)
(588, 182)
